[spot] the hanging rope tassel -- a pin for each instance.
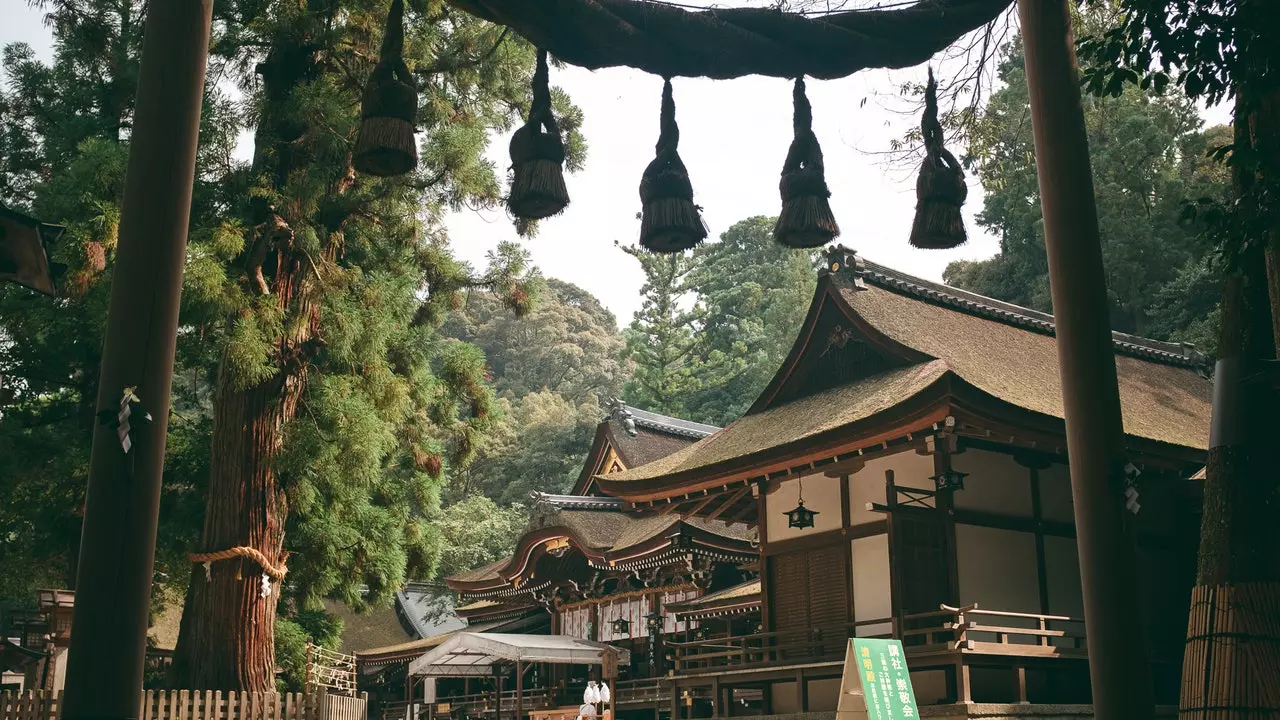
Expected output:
(940, 189)
(385, 146)
(537, 157)
(806, 220)
(670, 221)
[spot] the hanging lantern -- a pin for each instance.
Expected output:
(670, 222)
(940, 189)
(949, 480)
(537, 156)
(653, 621)
(386, 146)
(800, 517)
(621, 626)
(806, 220)
(24, 251)
(700, 634)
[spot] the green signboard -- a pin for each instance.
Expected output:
(886, 683)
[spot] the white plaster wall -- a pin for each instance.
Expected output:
(872, 598)
(910, 469)
(996, 483)
(1062, 568)
(1055, 494)
(997, 569)
(821, 494)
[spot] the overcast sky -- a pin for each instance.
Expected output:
(733, 138)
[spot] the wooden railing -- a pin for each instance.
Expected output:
(200, 705)
(969, 629)
(769, 648)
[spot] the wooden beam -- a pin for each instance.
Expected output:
(729, 501)
(669, 507)
(699, 506)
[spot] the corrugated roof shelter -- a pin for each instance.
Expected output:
(474, 654)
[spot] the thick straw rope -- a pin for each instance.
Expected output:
(275, 572)
(729, 43)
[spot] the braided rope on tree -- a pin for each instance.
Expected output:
(275, 572)
(734, 42)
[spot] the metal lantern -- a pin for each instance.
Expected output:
(800, 517)
(700, 634)
(653, 621)
(622, 626)
(949, 480)
(24, 251)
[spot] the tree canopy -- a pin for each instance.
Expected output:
(1149, 155)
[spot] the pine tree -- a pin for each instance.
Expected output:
(660, 339)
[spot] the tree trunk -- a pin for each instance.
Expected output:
(1235, 615)
(227, 637)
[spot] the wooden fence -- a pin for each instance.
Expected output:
(201, 705)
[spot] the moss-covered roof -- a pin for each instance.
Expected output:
(1162, 396)
(1006, 352)
(795, 421)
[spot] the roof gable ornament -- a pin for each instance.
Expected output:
(841, 259)
(620, 412)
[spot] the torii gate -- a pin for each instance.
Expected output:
(113, 587)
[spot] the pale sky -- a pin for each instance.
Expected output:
(734, 135)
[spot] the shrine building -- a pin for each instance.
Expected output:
(904, 475)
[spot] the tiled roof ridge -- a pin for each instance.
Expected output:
(1179, 354)
(576, 502)
(640, 417)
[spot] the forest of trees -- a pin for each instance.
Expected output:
(405, 430)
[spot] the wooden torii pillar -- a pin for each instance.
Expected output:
(122, 505)
(1119, 666)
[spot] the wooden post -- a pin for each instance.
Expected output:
(1118, 662)
(519, 690)
(802, 692)
(122, 503)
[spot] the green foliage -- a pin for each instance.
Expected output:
(292, 635)
(660, 339)
(551, 368)
(752, 298)
(384, 390)
(717, 322)
(1147, 152)
(62, 159)
(477, 531)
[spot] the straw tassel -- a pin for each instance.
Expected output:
(537, 157)
(670, 221)
(940, 189)
(386, 146)
(806, 220)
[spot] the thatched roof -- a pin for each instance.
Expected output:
(795, 421)
(735, 600)
(919, 342)
(635, 437)
(1010, 353)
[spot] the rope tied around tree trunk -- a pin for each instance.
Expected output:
(670, 221)
(275, 572)
(940, 189)
(537, 156)
(806, 219)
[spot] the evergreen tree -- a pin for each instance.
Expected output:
(338, 407)
(64, 128)
(752, 295)
(660, 339)
(1148, 157)
(309, 350)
